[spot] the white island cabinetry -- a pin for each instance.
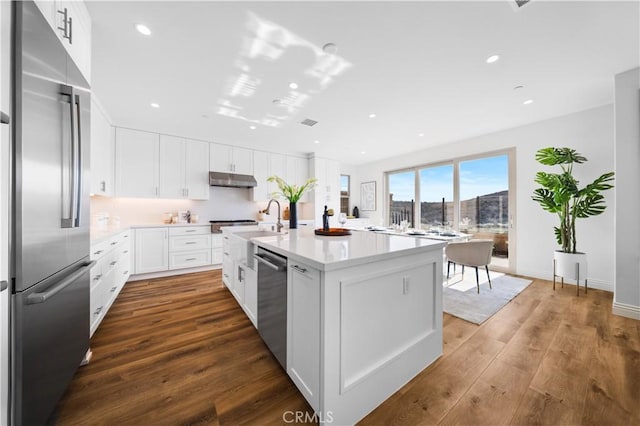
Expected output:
(303, 329)
(364, 316)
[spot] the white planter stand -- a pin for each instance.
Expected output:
(571, 266)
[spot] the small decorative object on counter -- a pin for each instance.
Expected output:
(293, 194)
(183, 216)
(285, 214)
(166, 217)
(193, 218)
(260, 215)
(356, 213)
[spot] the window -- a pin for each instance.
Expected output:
(470, 195)
(402, 188)
(344, 194)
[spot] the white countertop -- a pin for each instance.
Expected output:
(331, 253)
(101, 234)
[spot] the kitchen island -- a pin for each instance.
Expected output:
(364, 316)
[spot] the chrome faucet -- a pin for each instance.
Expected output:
(279, 225)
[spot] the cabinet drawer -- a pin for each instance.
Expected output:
(189, 242)
(100, 249)
(189, 259)
(190, 230)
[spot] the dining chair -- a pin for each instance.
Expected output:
(474, 253)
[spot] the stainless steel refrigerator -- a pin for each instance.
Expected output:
(49, 218)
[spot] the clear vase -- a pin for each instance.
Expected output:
(293, 215)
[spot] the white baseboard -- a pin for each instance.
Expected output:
(161, 274)
(625, 310)
(591, 282)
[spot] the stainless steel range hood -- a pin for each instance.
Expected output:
(231, 180)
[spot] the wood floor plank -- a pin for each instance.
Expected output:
(179, 350)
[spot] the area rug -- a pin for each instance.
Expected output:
(461, 298)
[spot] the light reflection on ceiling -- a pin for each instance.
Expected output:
(269, 49)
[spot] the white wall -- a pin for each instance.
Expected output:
(627, 167)
(590, 132)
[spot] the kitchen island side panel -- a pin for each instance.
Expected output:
(381, 326)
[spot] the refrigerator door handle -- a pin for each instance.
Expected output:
(35, 298)
(70, 222)
(78, 173)
(3, 285)
(4, 118)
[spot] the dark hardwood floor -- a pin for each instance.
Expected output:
(179, 350)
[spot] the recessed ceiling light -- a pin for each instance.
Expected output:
(155, 105)
(493, 58)
(363, 152)
(372, 115)
(528, 102)
(143, 29)
(330, 48)
(421, 134)
(293, 85)
(316, 141)
(252, 127)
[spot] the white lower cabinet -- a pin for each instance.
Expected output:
(152, 250)
(108, 275)
(250, 302)
(303, 329)
(189, 247)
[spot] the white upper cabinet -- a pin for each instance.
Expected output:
(327, 191)
(184, 168)
(102, 139)
(172, 182)
(261, 173)
(297, 173)
(71, 22)
(229, 159)
(137, 160)
(196, 163)
(243, 161)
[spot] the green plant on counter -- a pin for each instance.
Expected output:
(560, 193)
(292, 192)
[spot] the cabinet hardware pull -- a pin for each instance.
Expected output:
(299, 269)
(190, 259)
(97, 277)
(114, 243)
(113, 263)
(113, 289)
(67, 22)
(125, 272)
(190, 230)
(191, 242)
(98, 252)
(97, 312)
(125, 236)
(103, 186)
(125, 252)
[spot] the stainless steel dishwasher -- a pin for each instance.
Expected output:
(272, 302)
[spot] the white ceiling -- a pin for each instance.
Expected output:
(419, 66)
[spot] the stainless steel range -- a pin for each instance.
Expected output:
(217, 224)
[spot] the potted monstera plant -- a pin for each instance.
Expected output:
(559, 194)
